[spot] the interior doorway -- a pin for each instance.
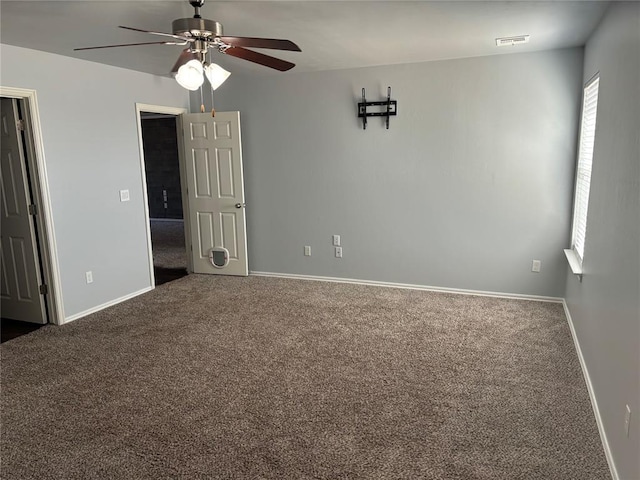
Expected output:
(160, 148)
(30, 280)
(22, 276)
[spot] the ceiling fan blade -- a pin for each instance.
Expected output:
(127, 45)
(184, 39)
(260, 58)
(272, 43)
(184, 57)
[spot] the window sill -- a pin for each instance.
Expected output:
(574, 263)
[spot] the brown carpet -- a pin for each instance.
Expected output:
(247, 378)
(10, 329)
(169, 251)
(167, 240)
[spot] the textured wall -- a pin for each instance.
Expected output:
(471, 182)
(90, 136)
(162, 167)
(605, 307)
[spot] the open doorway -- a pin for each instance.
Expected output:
(212, 189)
(30, 296)
(160, 147)
(23, 304)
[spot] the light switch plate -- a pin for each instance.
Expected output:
(124, 195)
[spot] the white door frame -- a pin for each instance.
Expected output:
(40, 189)
(177, 111)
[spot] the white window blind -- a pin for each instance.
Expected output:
(585, 159)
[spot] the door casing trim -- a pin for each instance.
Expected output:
(40, 185)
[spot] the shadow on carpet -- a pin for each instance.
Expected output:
(165, 275)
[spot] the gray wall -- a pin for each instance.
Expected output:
(471, 182)
(605, 307)
(89, 128)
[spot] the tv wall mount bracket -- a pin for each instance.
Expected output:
(389, 108)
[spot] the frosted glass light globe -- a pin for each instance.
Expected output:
(216, 75)
(190, 75)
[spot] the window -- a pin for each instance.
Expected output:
(583, 174)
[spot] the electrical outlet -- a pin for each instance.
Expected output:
(124, 195)
(336, 240)
(338, 252)
(89, 276)
(307, 250)
(627, 420)
(535, 266)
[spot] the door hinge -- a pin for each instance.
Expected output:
(44, 289)
(20, 125)
(33, 210)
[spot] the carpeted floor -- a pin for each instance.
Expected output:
(247, 378)
(169, 251)
(10, 329)
(167, 239)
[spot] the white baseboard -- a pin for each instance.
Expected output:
(409, 286)
(592, 395)
(76, 316)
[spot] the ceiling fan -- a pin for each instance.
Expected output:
(201, 36)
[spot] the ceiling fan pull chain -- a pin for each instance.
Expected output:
(201, 101)
(213, 109)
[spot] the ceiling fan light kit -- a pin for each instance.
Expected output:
(216, 75)
(201, 36)
(190, 75)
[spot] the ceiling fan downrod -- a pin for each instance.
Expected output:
(196, 4)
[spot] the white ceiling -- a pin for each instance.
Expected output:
(331, 34)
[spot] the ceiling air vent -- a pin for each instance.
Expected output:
(510, 41)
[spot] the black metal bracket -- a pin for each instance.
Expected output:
(391, 108)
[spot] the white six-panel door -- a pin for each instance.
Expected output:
(215, 190)
(19, 264)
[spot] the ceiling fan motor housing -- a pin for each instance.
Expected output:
(197, 28)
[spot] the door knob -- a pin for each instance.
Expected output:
(241, 205)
